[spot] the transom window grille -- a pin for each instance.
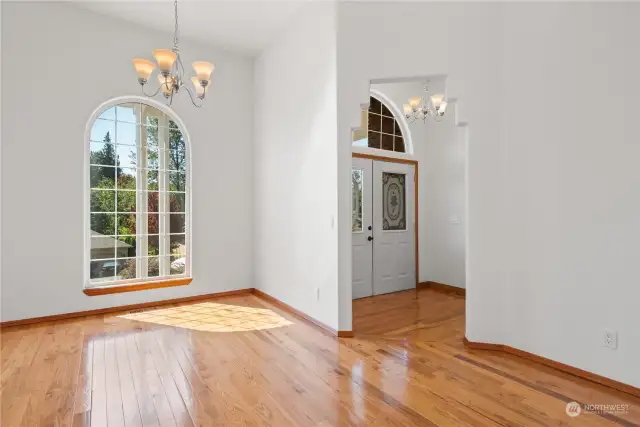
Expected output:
(379, 129)
(138, 197)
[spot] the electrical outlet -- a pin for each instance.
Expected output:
(610, 339)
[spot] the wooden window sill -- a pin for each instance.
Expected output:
(118, 289)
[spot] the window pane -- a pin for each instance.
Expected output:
(102, 247)
(153, 267)
(128, 112)
(387, 142)
(103, 131)
(178, 264)
(375, 122)
(356, 203)
(176, 223)
(177, 181)
(126, 247)
(153, 200)
(153, 245)
(387, 125)
(177, 244)
(127, 156)
(152, 180)
(385, 111)
(177, 202)
(104, 270)
(374, 105)
(103, 223)
(397, 130)
(374, 140)
(153, 161)
(153, 224)
(102, 177)
(125, 269)
(150, 135)
(393, 201)
(127, 133)
(126, 201)
(126, 179)
(102, 153)
(177, 160)
(103, 201)
(126, 224)
(399, 145)
(109, 114)
(176, 140)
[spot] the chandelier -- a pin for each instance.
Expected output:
(172, 75)
(419, 108)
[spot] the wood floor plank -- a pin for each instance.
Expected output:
(241, 361)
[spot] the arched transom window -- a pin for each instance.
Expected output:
(380, 129)
(138, 196)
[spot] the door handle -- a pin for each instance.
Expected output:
(370, 238)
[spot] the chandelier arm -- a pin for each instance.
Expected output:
(153, 94)
(198, 105)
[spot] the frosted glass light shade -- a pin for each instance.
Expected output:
(414, 102)
(407, 108)
(166, 85)
(143, 67)
(165, 59)
(437, 100)
(198, 86)
(443, 106)
(203, 69)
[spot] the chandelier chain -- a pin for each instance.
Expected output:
(176, 49)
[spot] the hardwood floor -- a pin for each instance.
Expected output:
(241, 361)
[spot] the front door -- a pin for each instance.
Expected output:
(383, 227)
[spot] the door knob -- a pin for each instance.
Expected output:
(369, 228)
(370, 238)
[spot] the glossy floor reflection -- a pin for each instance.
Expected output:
(212, 317)
(405, 367)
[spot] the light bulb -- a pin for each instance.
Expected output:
(144, 68)
(437, 100)
(203, 69)
(166, 85)
(165, 59)
(198, 86)
(443, 106)
(414, 102)
(407, 109)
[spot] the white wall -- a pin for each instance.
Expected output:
(295, 165)
(440, 149)
(550, 94)
(59, 63)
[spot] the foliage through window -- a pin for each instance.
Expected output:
(379, 129)
(138, 196)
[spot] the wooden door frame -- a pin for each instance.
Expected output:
(416, 193)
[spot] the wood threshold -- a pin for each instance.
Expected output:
(122, 308)
(443, 288)
(118, 289)
(608, 382)
(286, 307)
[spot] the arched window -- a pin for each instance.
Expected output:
(138, 195)
(380, 129)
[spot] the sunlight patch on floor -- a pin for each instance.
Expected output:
(212, 317)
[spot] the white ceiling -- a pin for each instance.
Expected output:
(242, 25)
